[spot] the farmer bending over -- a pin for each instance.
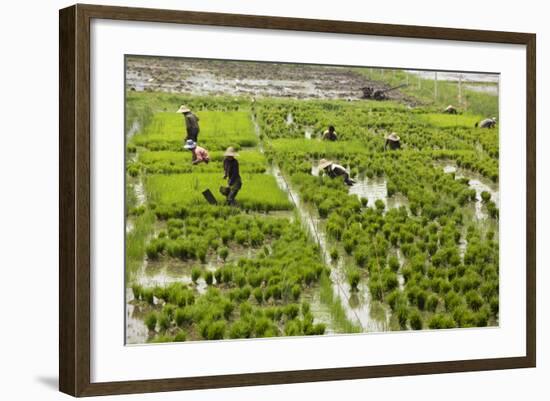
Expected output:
(200, 155)
(330, 134)
(487, 123)
(334, 170)
(450, 109)
(393, 141)
(191, 123)
(231, 172)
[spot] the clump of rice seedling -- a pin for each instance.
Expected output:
(195, 274)
(296, 291)
(183, 316)
(218, 276)
(432, 302)
(389, 279)
(485, 196)
(474, 300)
(208, 277)
(293, 327)
(240, 329)
(164, 321)
(162, 338)
(213, 330)
(181, 336)
(415, 319)
(441, 321)
(258, 295)
(223, 253)
(379, 204)
(402, 313)
(393, 263)
(291, 311)
(137, 291)
(376, 289)
(354, 276)
(151, 321)
(169, 310)
(306, 308)
(334, 254)
(361, 256)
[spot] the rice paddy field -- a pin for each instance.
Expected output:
(412, 245)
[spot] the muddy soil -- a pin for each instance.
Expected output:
(214, 77)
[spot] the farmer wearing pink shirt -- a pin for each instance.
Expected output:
(200, 155)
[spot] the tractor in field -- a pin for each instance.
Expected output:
(378, 94)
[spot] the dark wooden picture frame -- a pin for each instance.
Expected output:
(74, 199)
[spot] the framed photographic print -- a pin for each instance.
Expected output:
(250, 200)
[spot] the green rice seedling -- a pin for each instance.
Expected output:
(376, 289)
(147, 295)
(214, 330)
(415, 319)
(293, 328)
(485, 196)
(258, 295)
(137, 290)
(441, 321)
(227, 274)
(218, 275)
(379, 204)
(164, 321)
(334, 254)
(306, 308)
(151, 321)
(291, 311)
(241, 329)
(180, 336)
(389, 280)
(296, 292)
(245, 309)
(162, 338)
(474, 300)
(432, 302)
(402, 313)
(361, 255)
(393, 263)
(208, 277)
(195, 274)
(262, 325)
(183, 316)
(354, 276)
(169, 310)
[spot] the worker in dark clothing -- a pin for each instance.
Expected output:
(334, 170)
(487, 123)
(191, 123)
(330, 134)
(450, 109)
(393, 142)
(231, 172)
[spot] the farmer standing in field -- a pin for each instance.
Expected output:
(191, 123)
(334, 170)
(200, 155)
(330, 134)
(231, 172)
(393, 141)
